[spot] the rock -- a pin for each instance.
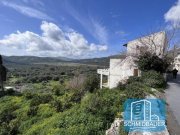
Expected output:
(114, 129)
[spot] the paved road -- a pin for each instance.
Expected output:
(172, 95)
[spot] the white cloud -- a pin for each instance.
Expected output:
(173, 15)
(52, 42)
(100, 31)
(95, 28)
(28, 11)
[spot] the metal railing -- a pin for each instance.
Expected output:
(103, 71)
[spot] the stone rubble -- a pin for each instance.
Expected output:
(114, 129)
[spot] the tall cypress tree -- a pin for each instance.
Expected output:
(3, 73)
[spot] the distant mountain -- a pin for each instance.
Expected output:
(31, 59)
(26, 60)
(104, 61)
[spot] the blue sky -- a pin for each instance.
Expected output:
(79, 28)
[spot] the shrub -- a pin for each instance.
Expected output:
(136, 90)
(40, 99)
(134, 79)
(32, 111)
(58, 105)
(66, 105)
(153, 79)
(93, 104)
(77, 82)
(92, 83)
(121, 86)
(58, 90)
(56, 78)
(61, 81)
(77, 96)
(9, 129)
(28, 95)
(148, 61)
(6, 115)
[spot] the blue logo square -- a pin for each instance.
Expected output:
(144, 115)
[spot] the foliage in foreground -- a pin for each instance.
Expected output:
(43, 114)
(153, 79)
(139, 87)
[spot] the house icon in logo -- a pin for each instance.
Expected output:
(141, 110)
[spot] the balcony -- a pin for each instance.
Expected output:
(103, 71)
(104, 81)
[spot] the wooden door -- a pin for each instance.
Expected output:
(136, 71)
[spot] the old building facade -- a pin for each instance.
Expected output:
(121, 69)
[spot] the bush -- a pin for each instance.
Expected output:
(134, 79)
(7, 116)
(93, 104)
(32, 111)
(121, 86)
(9, 129)
(148, 61)
(77, 82)
(28, 95)
(77, 96)
(40, 99)
(136, 90)
(153, 79)
(58, 105)
(92, 83)
(58, 90)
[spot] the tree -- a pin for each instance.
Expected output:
(77, 82)
(3, 73)
(161, 51)
(168, 46)
(148, 61)
(91, 83)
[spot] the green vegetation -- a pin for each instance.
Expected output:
(64, 100)
(153, 79)
(148, 61)
(43, 73)
(43, 114)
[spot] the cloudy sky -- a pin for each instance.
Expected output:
(79, 28)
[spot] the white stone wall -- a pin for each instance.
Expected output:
(121, 70)
(155, 43)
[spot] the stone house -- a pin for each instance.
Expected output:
(121, 69)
